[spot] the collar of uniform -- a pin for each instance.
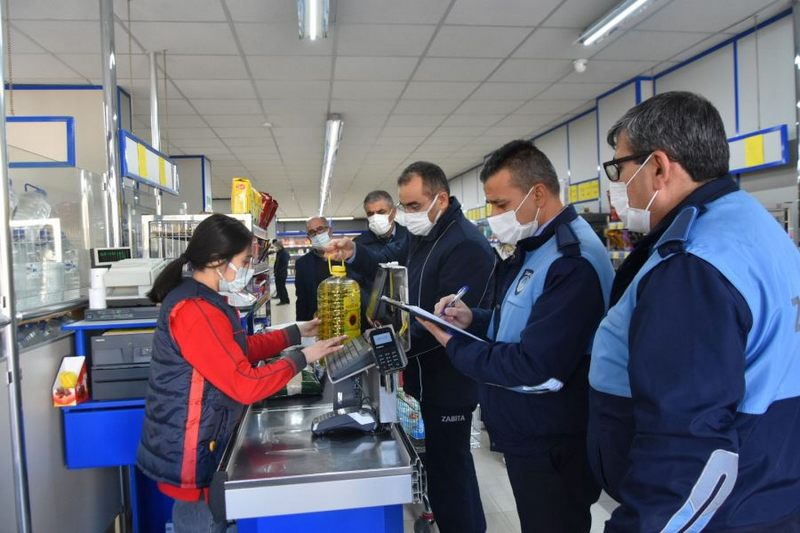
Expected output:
(704, 194)
(566, 216)
(452, 212)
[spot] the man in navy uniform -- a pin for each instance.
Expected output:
(695, 373)
(550, 297)
(444, 252)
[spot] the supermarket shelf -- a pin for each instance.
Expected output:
(618, 254)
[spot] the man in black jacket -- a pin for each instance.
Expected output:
(443, 253)
(281, 272)
(380, 211)
(312, 268)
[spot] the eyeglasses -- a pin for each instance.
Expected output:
(613, 168)
(317, 231)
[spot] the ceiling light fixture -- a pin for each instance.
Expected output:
(312, 18)
(610, 21)
(292, 219)
(342, 218)
(333, 134)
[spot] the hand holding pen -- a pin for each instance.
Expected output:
(453, 310)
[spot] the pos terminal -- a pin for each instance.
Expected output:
(364, 371)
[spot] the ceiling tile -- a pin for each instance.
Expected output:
(186, 37)
(377, 90)
(422, 107)
(575, 91)
(223, 106)
(279, 39)
(509, 91)
(538, 106)
(180, 134)
(415, 120)
(459, 131)
(293, 104)
(579, 14)
(553, 43)
(530, 121)
(229, 121)
(314, 90)
(260, 11)
(63, 36)
(476, 41)
(442, 90)
(489, 107)
(468, 119)
(500, 12)
(711, 16)
(47, 9)
(374, 68)
(510, 132)
(391, 11)
(407, 131)
(382, 40)
(532, 70)
(37, 66)
(141, 106)
(292, 68)
(22, 44)
(243, 132)
(198, 10)
(598, 70)
(229, 89)
(455, 69)
(181, 67)
(649, 45)
(371, 107)
(181, 121)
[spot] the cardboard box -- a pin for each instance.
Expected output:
(70, 386)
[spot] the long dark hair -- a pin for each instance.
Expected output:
(216, 239)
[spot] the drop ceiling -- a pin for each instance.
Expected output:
(443, 80)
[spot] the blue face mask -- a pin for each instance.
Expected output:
(243, 277)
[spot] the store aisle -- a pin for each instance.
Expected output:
(496, 495)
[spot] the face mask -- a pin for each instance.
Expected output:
(508, 229)
(633, 218)
(320, 241)
(379, 224)
(418, 223)
(243, 277)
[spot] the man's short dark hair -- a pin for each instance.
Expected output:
(376, 196)
(684, 125)
(527, 164)
(433, 177)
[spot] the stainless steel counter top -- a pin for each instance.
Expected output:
(276, 466)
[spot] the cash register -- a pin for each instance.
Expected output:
(364, 372)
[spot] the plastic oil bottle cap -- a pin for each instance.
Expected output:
(338, 271)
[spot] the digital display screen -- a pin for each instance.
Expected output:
(382, 338)
(110, 255)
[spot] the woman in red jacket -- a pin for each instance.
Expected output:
(202, 373)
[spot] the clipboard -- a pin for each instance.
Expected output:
(422, 313)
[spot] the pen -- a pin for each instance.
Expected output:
(460, 294)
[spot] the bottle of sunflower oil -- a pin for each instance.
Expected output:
(339, 305)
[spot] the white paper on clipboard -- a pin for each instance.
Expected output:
(422, 313)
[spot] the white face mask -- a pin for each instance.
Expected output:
(418, 223)
(379, 224)
(508, 229)
(243, 277)
(633, 218)
(319, 242)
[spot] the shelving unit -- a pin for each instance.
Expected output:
(619, 242)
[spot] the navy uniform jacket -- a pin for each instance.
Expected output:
(542, 331)
(695, 373)
(309, 271)
(453, 254)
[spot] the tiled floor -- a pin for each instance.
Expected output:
(496, 495)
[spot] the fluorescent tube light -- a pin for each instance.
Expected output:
(292, 219)
(609, 22)
(342, 218)
(312, 18)
(333, 134)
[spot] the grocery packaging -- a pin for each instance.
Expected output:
(70, 386)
